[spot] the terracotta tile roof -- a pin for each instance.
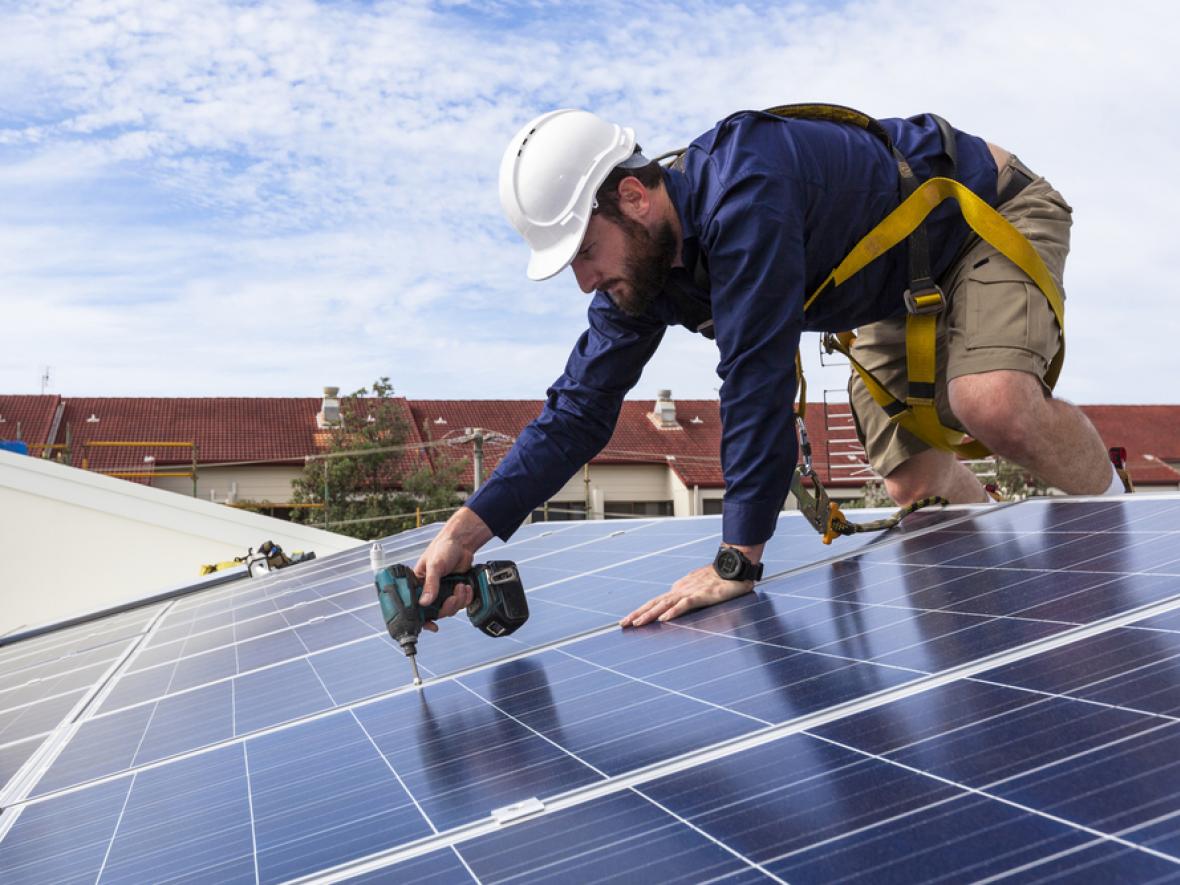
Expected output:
(694, 447)
(225, 429)
(439, 420)
(282, 430)
(692, 450)
(1150, 434)
(27, 417)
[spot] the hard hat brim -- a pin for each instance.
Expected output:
(552, 261)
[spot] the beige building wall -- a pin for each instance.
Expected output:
(617, 483)
(608, 483)
(234, 484)
(690, 500)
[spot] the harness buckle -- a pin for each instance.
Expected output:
(925, 302)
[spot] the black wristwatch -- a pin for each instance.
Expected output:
(733, 565)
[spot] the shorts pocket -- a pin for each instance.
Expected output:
(1001, 307)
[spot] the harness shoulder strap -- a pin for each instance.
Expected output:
(921, 278)
(924, 299)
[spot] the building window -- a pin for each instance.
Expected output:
(711, 507)
(627, 509)
(560, 511)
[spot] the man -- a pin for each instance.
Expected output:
(731, 242)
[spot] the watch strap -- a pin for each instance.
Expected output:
(749, 571)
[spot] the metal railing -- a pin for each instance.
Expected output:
(147, 444)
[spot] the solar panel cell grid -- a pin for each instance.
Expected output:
(323, 794)
(67, 840)
(189, 820)
(101, 746)
(14, 755)
(624, 835)
(66, 682)
(90, 634)
(612, 722)
(814, 731)
(36, 718)
(43, 672)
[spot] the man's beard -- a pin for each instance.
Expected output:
(645, 267)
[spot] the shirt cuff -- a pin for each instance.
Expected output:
(498, 508)
(748, 522)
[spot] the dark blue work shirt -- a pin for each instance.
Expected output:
(771, 206)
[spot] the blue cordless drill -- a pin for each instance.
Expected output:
(498, 605)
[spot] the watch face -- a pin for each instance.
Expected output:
(729, 563)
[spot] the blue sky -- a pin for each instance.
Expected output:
(210, 198)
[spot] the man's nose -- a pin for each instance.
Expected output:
(586, 277)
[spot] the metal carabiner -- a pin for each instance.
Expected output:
(804, 448)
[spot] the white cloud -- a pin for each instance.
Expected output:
(206, 198)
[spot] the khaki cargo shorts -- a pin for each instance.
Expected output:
(996, 318)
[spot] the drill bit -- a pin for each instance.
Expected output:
(414, 664)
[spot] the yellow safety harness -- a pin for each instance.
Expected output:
(924, 301)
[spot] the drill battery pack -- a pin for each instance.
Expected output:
(498, 605)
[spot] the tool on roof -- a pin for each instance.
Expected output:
(498, 605)
(270, 556)
(824, 515)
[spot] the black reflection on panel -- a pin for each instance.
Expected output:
(460, 757)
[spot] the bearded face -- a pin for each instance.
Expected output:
(646, 261)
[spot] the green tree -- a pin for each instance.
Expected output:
(370, 481)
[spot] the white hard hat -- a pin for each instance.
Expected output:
(548, 177)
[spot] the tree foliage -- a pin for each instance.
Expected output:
(376, 494)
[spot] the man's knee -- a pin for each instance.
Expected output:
(918, 477)
(904, 487)
(1004, 410)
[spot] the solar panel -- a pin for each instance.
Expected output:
(986, 692)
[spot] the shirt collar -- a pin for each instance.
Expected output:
(678, 191)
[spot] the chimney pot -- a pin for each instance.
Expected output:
(329, 414)
(663, 415)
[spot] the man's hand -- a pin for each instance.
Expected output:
(452, 550)
(695, 590)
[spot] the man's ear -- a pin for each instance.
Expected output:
(634, 199)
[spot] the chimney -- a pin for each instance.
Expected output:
(329, 415)
(663, 415)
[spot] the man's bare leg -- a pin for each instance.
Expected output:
(1009, 412)
(934, 472)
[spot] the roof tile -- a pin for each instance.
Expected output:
(283, 430)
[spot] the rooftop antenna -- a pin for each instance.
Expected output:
(46, 375)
